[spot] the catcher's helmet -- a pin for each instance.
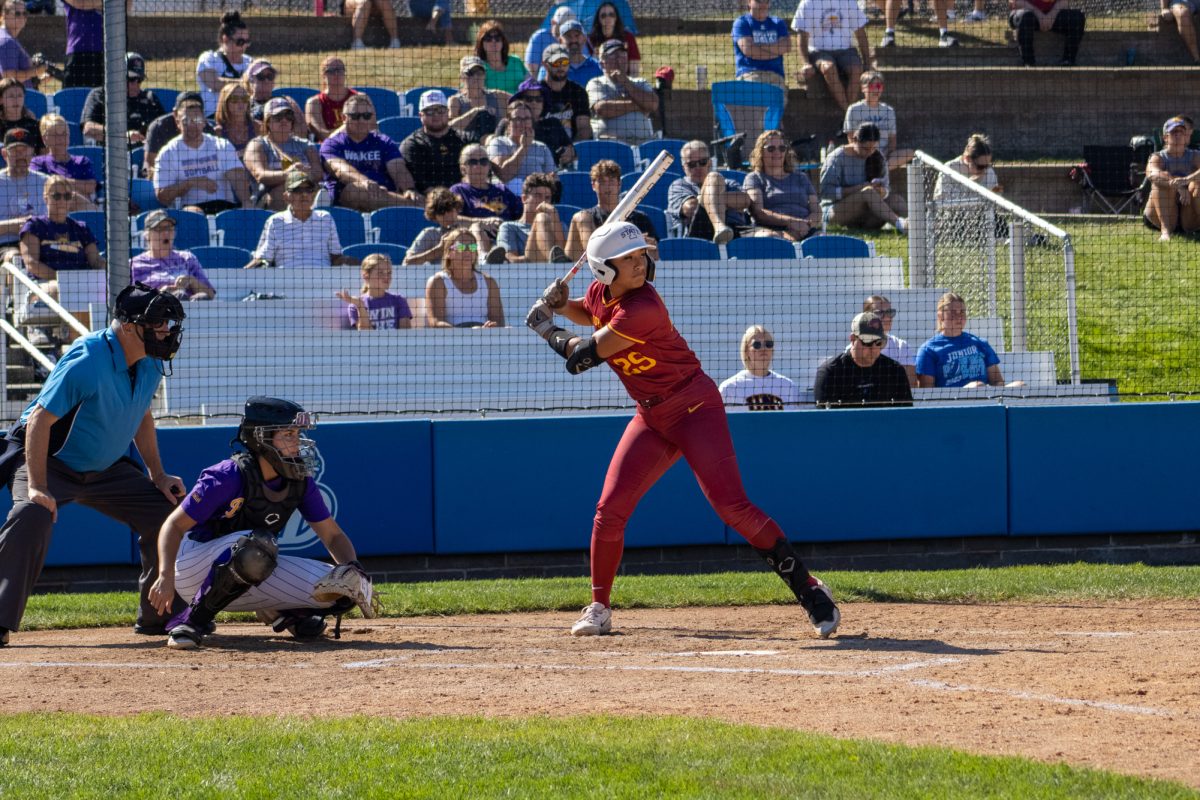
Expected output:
(266, 415)
(141, 305)
(613, 240)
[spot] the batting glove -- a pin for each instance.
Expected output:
(555, 295)
(540, 320)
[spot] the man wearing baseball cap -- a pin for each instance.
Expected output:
(862, 376)
(544, 37)
(200, 170)
(565, 100)
(166, 127)
(300, 235)
(21, 191)
(582, 67)
(141, 106)
(621, 106)
(1174, 203)
(432, 152)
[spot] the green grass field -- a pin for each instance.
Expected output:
(154, 755)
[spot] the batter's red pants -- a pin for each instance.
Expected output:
(691, 424)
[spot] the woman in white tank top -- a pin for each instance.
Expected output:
(460, 296)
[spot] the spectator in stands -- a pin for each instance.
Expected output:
(78, 170)
(941, 10)
(538, 235)
(141, 106)
(543, 38)
(872, 109)
(566, 101)
(14, 61)
(432, 152)
(366, 169)
(1057, 16)
(549, 132)
(896, 348)
(702, 195)
(1174, 175)
(955, 358)
(862, 375)
(438, 14)
(475, 110)
(606, 183)
(827, 31)
(300, 235)
(758, 387)
(270, 156)
(16, 115)
(621, 106)
(442, 208)
(517, 154)
(234, 123)
(1182, 11)
(201, 171)
(226, 64)
(487, 204)
(975, 163)
(323, 111)
(459, 295)
(53, 241)
(164, 268)
(502, 70)
(260, 80)
(607, 25)
(849, 197)
(582, 67)
(760, 41)
(85, 43)
(22, 193)
(783, 201)
(166, 128)
(376, 308)
(360, 12)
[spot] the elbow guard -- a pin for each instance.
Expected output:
(584, 357)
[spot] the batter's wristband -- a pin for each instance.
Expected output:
(558, 339)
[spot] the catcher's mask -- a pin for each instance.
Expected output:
(149, 308)
(264, 417)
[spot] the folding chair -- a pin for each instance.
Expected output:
(1109, 171)
(734, 115)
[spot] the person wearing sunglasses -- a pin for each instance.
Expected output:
(757, 387)
(14, 60)
(503, 70)
(828, 30)
(234, 123)
(872, 109)
(975, 164)
(366, 168)
(549, 132)
(607, 25)
(323, 111)
(142, 106)
(486, 204)
(895, 348)
(581, 67)
(851, 194)
(544, 37)
(85, 43)
(166, 128)
(475, 110)
(955, 358)
(200, 170)
(621, 105)
(300, 235)
(59, 161)
(565, 100)
(360, 12)
(783, 202)
(227, 63)
(703, 195)
(459, 295)
(270, 156)
(432, 151)
(862, 376)
(518, 154)
(54, 241)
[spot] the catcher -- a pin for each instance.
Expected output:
(222, 538)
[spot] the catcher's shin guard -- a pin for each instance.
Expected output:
(251, 561)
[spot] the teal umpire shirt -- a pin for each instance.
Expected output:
(92, 381)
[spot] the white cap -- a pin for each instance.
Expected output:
(562, 14)
(434, 97)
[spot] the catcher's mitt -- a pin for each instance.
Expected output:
(349, 580)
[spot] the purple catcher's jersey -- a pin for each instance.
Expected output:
(218, 494)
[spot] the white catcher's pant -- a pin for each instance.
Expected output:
(289, 586)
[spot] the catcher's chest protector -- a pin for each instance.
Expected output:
(262, 507)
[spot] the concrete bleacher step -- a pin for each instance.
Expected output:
(1103, 48)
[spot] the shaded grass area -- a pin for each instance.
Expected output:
(153, 756)
(1074, 582)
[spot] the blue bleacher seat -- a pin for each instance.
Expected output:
(137, 159)
(657, 196)
(241, 227)
(413, 96)
(657, 219)
(577, 189)
(141, 192)
(350, 226)
(166, 97)
(39, 105)
(649, 150)
(191, 228)
(834, 246)
(95, 154)
(69, 102)
(222, 257)
(565, 212)
(589, 152)
(761, 247)
(746, 93)
(387, 102)
(736, 175)
(76, 134)
(688, 249)
(95, 223)
(298, 93)
(399, 128)
(397, 225)
(360, 251)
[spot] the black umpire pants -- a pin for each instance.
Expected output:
(122, 492)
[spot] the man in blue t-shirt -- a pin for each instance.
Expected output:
(72, 444)
(760, 41)
(366, 169)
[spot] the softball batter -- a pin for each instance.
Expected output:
(679, 413)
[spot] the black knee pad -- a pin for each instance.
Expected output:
(254, 557)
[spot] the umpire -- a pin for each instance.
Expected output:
(72, 444)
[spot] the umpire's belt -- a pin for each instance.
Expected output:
(651, 402)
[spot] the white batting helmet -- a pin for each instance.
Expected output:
(609, 241)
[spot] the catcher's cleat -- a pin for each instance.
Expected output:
(184, 637)
(299, 624)
(823, 613)
(596, 621)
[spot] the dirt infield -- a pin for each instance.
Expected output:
(1112, 686)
